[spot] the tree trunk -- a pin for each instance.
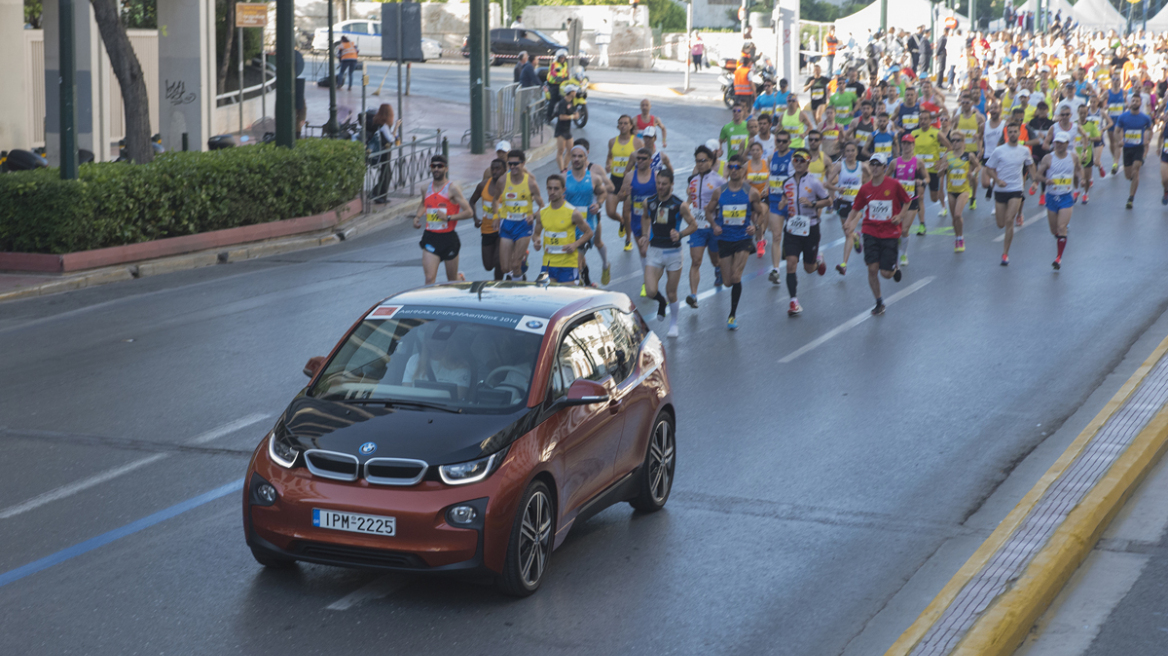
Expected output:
(129, 74)
(228, 43)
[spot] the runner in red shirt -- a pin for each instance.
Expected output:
(883, 203)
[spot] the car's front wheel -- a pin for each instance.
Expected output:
(657, 470)
(531, 543)
(271, 560)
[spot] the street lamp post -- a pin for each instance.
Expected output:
(330, 128)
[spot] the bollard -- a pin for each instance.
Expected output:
(524, 120)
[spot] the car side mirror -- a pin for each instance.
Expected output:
(313, 366)
(585, 392)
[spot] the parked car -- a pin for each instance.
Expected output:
(367, 35)
(466, 428)
(507, 43)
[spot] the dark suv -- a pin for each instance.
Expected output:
(507, 43)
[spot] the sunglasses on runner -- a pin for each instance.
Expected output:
(703, 160)
(782, 141)
(513, 164)
(733, 167)
(437, 166)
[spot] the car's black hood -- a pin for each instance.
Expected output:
(437, 437)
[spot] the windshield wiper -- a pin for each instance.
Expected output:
(397, 402)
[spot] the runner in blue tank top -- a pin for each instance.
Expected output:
(1116, 104)
(734, 207)
(780, 171)
(588, 188)
(637, 189)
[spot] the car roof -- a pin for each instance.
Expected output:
(515, 297)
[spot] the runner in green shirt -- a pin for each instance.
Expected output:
(844, 102)
(735, 134)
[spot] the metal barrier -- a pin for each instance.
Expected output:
(533, 121)
(392, 170)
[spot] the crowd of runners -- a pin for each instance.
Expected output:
(881, 157)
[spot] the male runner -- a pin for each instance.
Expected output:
(780, 170)
(908, 115)
(1116, 100)
(805, 196)
(847, 176)
(703, 187)
(765, 136)
(442, 207)
(520, 198)
(640, 187)
(1162, 146)
(661, 231)
(960, 166)
(884, 205)
(1136, 130)
(1061, 172)
(657, 160)
(587, 188)
(795, 121)
(555, 230)
(862, 128)
(735, 135)
(1004, 170)
(993, 133)
(911, 173)
(883, 140)
(489, 191)
(646, 119)
(735, 204)
(620, 153)
(929, 144)
(1085, 147)
(1038, 127)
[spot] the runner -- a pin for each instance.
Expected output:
(565, 113)
(884, 205)
(1162, 146)
(817, 162)
(993, 132)
(657, 160)
(555, 230)
(1085, 147)
(641, 185)
(620, 153)
(817, 87)
(765, 136)
(795, 121)
(1116, 101)
(1039, 127)
(703, 187)
(928, 142)
(1102, 122)
(662, 232)
(883, 140)
(735, 135)
(960, 166)
(843, 101)
(861, 129)
(489, 191)
(805, 195)
(913, 176)
(646, 119)
(587, 188)
(847, 175)
(1061, 171)
(1136, 130)
(971, 125)
(735, 205)
(831, 132)
(757, 172)
(520, 199)
(442, 207)
(1005, 169)
(780, 170)
(908, 115)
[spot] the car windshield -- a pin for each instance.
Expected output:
(543, 36)
(467, 360)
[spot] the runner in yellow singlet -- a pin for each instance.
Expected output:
(620, 153)
(796, 121)
(960, 167)
(929, 141)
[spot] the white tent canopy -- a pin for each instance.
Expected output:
(902, 15)
(1159, 22)
(1099, 15)
(1054, 6)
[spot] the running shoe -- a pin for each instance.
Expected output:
(732, 323)
(461, 277)
(1102, 173)
(842, 268)
(856, 243)
(904, 260)
(1075, 197)
(672, 331)
(1164, 199)
(1057, 264)
(943, 212)
(1114, 168)
(642, 290)
(1042, 200)
(606, 275)
(628, 246)
(795, 309)
(718, 277)
(921, 230)
(523, 267)
(820, 265)
(959, 246)
(661, 312)
(621, 231)
(761, 247)
(1085, 194)
(972, 203)
(773, 276)
(1018, 221)
(897, 275)
(1005, 260)
(878, 310)
(692, 301)
(1129, 201)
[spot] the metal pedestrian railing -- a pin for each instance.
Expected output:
(398, 169)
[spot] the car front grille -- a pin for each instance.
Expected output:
(357, 556)
(330, 464)
(394, 471)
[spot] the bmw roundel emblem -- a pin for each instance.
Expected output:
(368, 448)
(534, 324)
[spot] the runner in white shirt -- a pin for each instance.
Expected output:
(1062, 172)
(1004, 169)
(846, 177)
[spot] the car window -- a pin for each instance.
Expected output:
(357, 28)
(626, 341)
(585, 352)
(504, 35)
(376, 28)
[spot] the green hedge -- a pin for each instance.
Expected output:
(114, 203)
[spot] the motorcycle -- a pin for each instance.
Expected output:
(580, 104)
(759, 74)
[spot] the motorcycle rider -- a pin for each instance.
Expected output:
(557, 74)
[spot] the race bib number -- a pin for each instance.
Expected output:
(927, 158)
(516, 210)
(436, 218)
(910, 121)
(554, 242)
(1115, 109)
(756, 178)
(734, 215)
(799, 225)
(849, 193)
(956, 178)
(700, 219)
(776, 185)
(737, 143)
(1133, 137)
(910, 186)
(638, 207)
(831, 135)
(862, 136)
(880, 210)
(1060, 185)
(619, 164)
(817, 94)
(884, 148)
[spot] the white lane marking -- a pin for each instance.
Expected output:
(856, 320)
(1002, 237)
(110, 474)
(379, 588)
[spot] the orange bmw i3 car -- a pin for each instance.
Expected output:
(466, 427)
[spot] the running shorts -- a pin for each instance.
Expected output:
(882, 250)
(667, 259)
(796, 245)
(1004, 197)
(729, 248)
(843, 208)
(702, 238)
(443, 244)
(514, 230)
(565, 275)
(1060, 202)
(934, 181)
(1131, 155)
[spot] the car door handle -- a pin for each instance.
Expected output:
(614, 406)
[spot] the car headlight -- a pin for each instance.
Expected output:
(281, 452)
(465, 473)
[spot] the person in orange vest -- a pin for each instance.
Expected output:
(743, 87)
(347, 52)
(831, 44)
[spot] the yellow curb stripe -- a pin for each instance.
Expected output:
(1003, 626)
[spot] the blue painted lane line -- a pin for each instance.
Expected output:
(118, 533)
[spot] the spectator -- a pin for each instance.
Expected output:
(347, 52)
(527, 76)
(831, 44)
(603, 38)
(384, 128)
(942, 54)
(697, 51)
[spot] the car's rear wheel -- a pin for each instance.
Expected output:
(531, 543)
(271, 560)
(657, 471)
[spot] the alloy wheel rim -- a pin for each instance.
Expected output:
(535, 538)
(661, 462)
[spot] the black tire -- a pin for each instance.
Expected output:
(658, 468)
(530, 546)
(582, 110)
(271, 560)
(728, 98)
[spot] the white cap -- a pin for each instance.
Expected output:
(880, 158)
(713, 145)
(503, 145)
(649, 132)
(1062, 137)
(561, 53)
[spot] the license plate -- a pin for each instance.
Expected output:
(354, 523)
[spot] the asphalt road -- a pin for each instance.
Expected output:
(822, 459)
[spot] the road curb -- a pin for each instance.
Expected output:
(1003, 625)
(362, 224)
